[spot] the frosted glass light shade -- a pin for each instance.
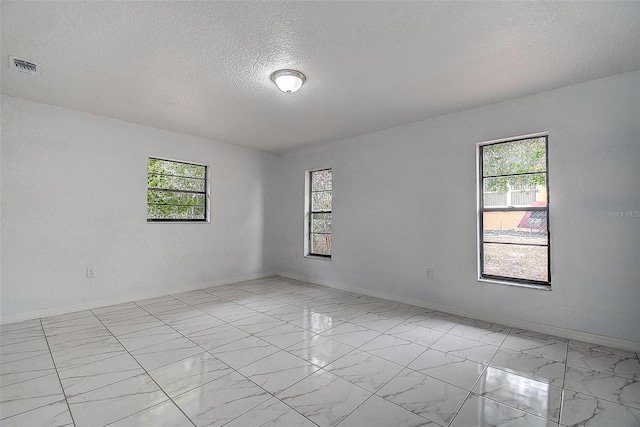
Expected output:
(288, 81)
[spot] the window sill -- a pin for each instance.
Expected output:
(323, 258)
(520, 285)
(161, 221)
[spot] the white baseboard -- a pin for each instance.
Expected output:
(536, 327)
(133, 297)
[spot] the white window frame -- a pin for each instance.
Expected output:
(480, 209)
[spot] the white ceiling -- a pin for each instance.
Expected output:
(202, 68)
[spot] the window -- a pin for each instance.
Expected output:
(177, 191)
(513, 211)
(319, 213)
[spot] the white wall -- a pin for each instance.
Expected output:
(405, 200)
(74, 195)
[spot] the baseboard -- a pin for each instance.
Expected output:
(536, 327)
(134, 297)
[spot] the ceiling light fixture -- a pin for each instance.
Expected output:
(288, 81)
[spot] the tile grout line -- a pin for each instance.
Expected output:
(484, 370)
(564, 380)
(66, 401)
(486, 366)
(233, 369)
(406, 321)
(305, 300)
(32, 351)
(514, 407)
(146, 373)
(399, 372)
(323, 368)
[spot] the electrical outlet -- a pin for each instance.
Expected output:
(430, 273)
(91, 272)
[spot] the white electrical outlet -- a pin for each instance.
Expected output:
(91, 272)
(430, 273)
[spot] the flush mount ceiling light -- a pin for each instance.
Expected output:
(288, 81)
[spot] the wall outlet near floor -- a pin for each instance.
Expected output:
(91, 272)
(430, 273)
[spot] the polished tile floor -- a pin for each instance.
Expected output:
(280, 352)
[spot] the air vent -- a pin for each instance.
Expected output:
(23, 66)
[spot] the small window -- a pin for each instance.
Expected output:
(513, 211)
(177, 191)
(319, 213)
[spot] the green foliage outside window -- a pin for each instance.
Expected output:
(514, 158)
(176, 191)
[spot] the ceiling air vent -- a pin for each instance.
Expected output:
(23, 66)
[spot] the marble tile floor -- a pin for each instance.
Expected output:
(277, 351)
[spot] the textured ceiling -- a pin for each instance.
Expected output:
(202, 68)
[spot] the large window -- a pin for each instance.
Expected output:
(319, 213)
(513, 211)
(177, 191)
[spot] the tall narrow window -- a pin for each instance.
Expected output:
(513, 211)
(319, 217)
(177, 191)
